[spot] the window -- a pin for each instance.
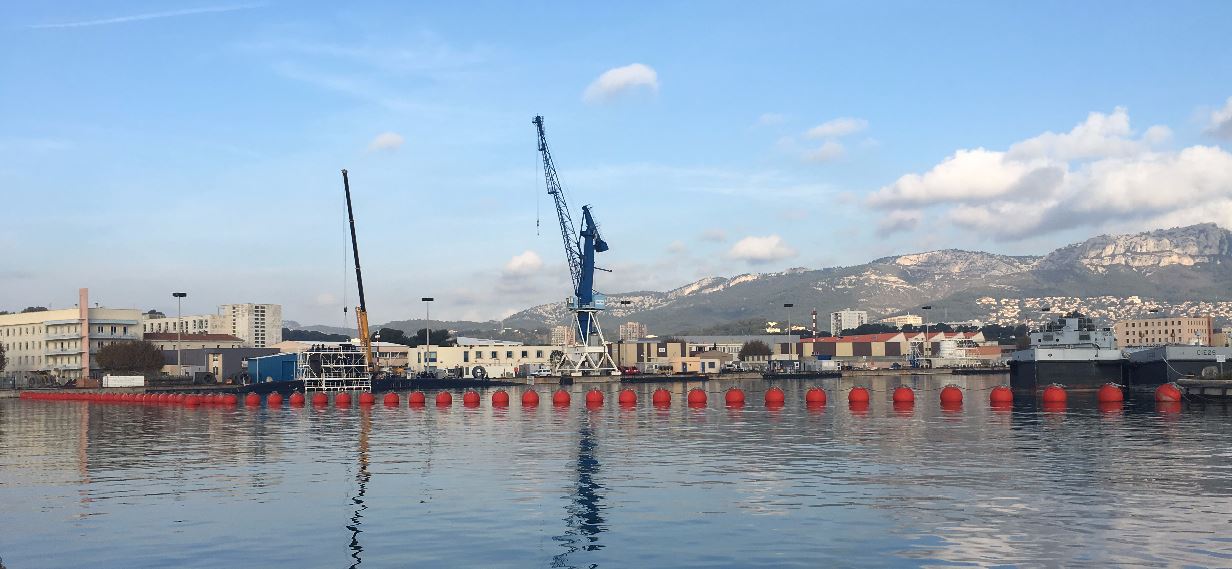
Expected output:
(478, 355)
(538, 353)
(493, 354)
(466, 356)
(524, 353)
(509, 355)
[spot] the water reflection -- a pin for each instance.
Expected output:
(584, 513)
(361, 477)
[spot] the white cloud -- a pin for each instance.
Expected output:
(837, 128)
(386, 141)
(528, 262)
(1097, 175)
(899, 220)
(759, 250)
(620, 80)
(1220, 122)
(714, 235)
(147, 16)
(770, 119)
(829, 151)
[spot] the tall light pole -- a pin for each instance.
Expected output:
(427, 325)
(928, 343)
(790, 349)
(620, 343)
(179, 330)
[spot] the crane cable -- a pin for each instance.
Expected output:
(538, 176)
(345, 257)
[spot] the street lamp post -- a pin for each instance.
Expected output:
(620, 343)
(427, 328)
(179, 330)
(928, 343)
(790, 349)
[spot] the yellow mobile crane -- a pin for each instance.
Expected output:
(361, 311)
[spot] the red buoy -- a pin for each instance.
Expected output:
(1054, 394)
(530, 398)
(444, 399)
(366, 398)
(857, 395)
(696, 397)
(470, 399)
(661, 397)
(1110, 393)
(561, 397)
(627, 397)
(192, 400)
(1168, 393)
(734, 397)
(594, 397)
(416, 399)
(775, 396)
(903, 394)
(297, 399)
(390, 399)
(815, 396)
(500, 398)
(274, 399)
(320, 398)
(252, 400)
(1001, 395)
(342, 399)
(951, 395)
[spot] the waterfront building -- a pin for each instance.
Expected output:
(59, 344)
(904, 320)
(172, 340)
(258, 325)
(1172, 330)
(633, 331)
(495, 360)
(222, 365)
(846, 320)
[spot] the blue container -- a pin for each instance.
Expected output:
(278, 367)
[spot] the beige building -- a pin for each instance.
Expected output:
(258, 325)
(1163, 331)
(562, 336)
(497, 360)
(170, 340)
(903, 320)
(58, 344)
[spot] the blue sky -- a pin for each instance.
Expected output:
(152, 146)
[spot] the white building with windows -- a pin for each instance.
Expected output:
(59, 344)
(258, 325)
(846, 320)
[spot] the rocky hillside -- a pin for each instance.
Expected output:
(1164, 267)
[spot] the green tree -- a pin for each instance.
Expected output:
(312, 336)
(135, 357)
(871, 328)
(34, 309)
(4, 358)
(754, 348)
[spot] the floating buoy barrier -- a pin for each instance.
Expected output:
(627, 397)
(274, 399)
(661, 397)
(470, 399)
(416, 399)
(951, 395)
(1168, 393)
(594, 397)
(815, 397)
(775, 396)
(390, 399)
(444, 399)
(342, 399)
(696, 397)
(734, 397)
(857, 395)
(1054, 394)
(530, 398)
(500, 398)
(903, 394)
(1168, 407)
(252, 400)
(192, 400)
(366, 398)
(560, 397)
(320, 398)
(297, 399)
(1001, 395)
(1110, 393)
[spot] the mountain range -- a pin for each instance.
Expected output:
(1177, 270)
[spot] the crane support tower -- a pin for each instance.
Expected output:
(587, 354)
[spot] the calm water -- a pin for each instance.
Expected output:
(122, 485)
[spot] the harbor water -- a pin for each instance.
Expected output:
(87, 484)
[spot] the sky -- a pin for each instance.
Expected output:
(151, 147)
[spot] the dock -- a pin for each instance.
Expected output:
(1206, 388)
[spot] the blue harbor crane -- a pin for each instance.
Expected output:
(589, 356)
